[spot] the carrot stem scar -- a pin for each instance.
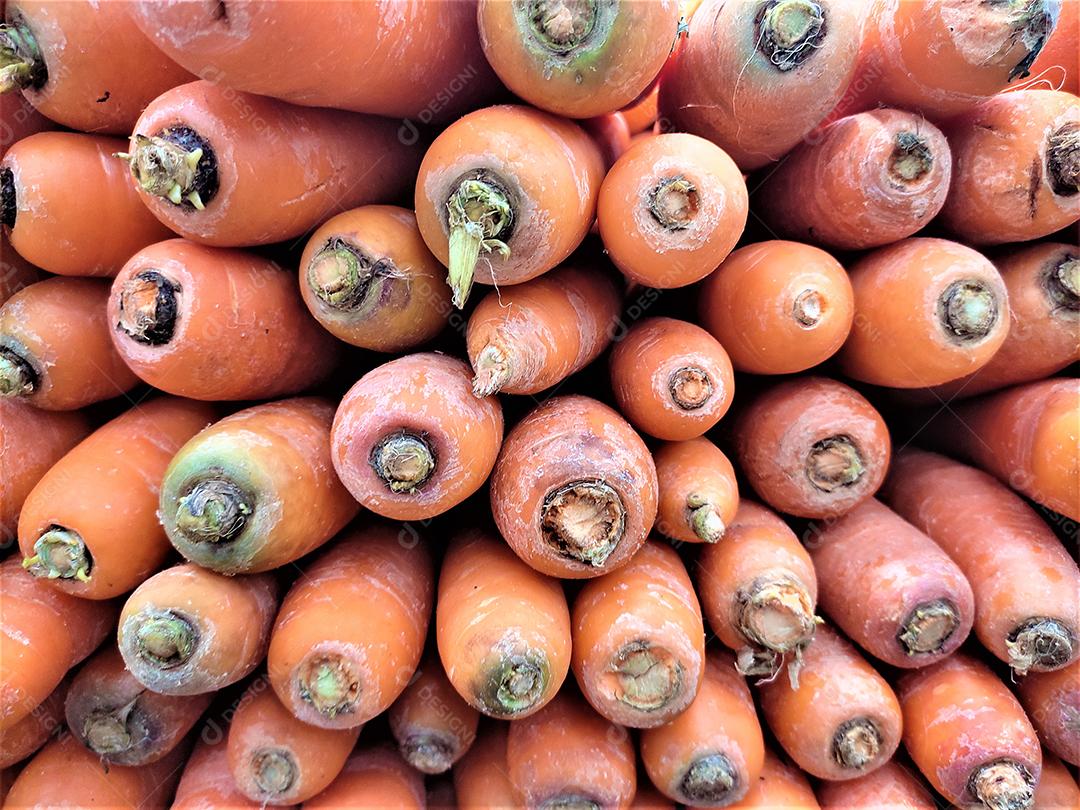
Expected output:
(17, 376)
(166, 167)
(21, 65)
(479, 218)
(214, 510)
(60, 553)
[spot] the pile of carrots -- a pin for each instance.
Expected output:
(580, 404)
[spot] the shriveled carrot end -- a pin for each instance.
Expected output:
(928, 627)
(789, 31)
(645, 676)
(491, 371)
(1003, 785)
(711, 780)
(274, 772)
(329, 683)
(404, 461)
(60, 553)
(690, 387)
(1063, 159)
(479, 216)
(777, 614)
(911, 158)
(1040, 644)
(108, 732)
(428, 753)
(21, 65)
(17, 375)
(583, 520)
(968, 310)
(1062, 283)
(856, 744)
(164, 639)
(149, 304)
(834, 463)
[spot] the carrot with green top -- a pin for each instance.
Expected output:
(698, 491)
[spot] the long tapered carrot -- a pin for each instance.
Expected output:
(512, 185)
(481, 778)
(55, 351)
(15, 271)
(780, 787)
(211, 324)
(350, 633)
(891, 787)
(1052, 702)
(90, 526)
(968, 735)
(698, 491)
(374, 777)
(778, 307)
(206, 782)
(19, 119)
(410, 440)
(1054, 67)
(574, 491)
(19, 741)
(1057, 789)
(532, 336)
(257, 489)
(504, 643)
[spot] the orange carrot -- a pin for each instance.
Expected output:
(648, 797)
(25, 737)
(611, 133)
(1055, 67)
(19, 119)
(698, 491)
(780, 787)
(374, 777)
(1057, 789)
(16, 272)
(890, 787)
(1052, 701)
(206, 782)
(481, 779)
(642, 113)
(410, 440)
(574, 491)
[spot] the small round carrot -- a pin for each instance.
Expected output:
(780, 787)
(350, 632)
(532, 336)
(1054, 67)
(16, 273)
(257, 489)
(55, 351)
(611, 133)
(511, 184)
(778, 307)
(1016, 168)
(843, 721)
(277, 759)
(206, 782)
(671, 209)
(968, 735)
(90, 526)
(642, 113)
(812, 447)
(574, 491)
(481, 778)
(369, 279)
(671, 379)
(19, 741)
(210, 323)
(712, 753)
(1052, 701)
(187, 630)
(505, 641)
(377, 778)
(566, 755)
(698, 491)
(19, 119)
(410, 440)
(891, 787)
(1057, 788)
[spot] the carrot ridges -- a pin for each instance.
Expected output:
(177, 164)
(60, 553)
(148, 308)
(1040, 642)
(583, 520)
(1063, 159)
(480, 216)
(928, 626)
(788, 31)
(1003, 785)
(404, 461)
(21, 65)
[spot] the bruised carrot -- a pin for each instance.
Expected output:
(532, 336)
(374, 777)
(1055, 68)
(511, 184)
(671, 379)
(206, 782)
(55, 351)
(641, 114)
(19, 119)
(189, 631)
(611, 133)
(90, 526)
(211, 324)
(671, 209)
(481, 778)
(231, 169)
(369, 279)
(410, 440)
(574, 491)
(350, 632)
(1057, 789)
(890, 787)
(780, 787)
(778, 307)
(22, 739)
(256, 490)
(698, 491)
(812, 447)
(16, 272)
(505, 642)
(1052, 701)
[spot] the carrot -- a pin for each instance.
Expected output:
(1054, 67)
(648, 797)
(1052, 701)
(927, 311)
(513, 184)
(532, 336)
(780, 787)
(671, 209)
(611, 133)
(812, 447)
(711, 754)
(698, 491)
(1057, 789)
(967, 734)
(778, 307)
(19, 119)
(642, 113)
(1027, 593)
(504, 643)
(671, 379)
(256, 490)
(231, 169)
(16, 273)
(410, 440)
(566, 755)
(369, 279)
(188, 631)
(481, 779)
(55, 351)
(277, 759)
(574, 491)
(374, 777)
(19, 741)
(755, 79)
(206, 782)
(90, 525)
(890, 787)
(350, 632)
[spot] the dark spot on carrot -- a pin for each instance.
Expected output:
(789, 31)
(220, 11)
(20, 57)
(104, 97)
(570, 802)
(856, 743)
(1061, 280)
(1034, 181)
(149, 305)
(710, 780)
(1040, 643)
(1032, 26)
(9, 208)
(1063, 159)
(18, 377)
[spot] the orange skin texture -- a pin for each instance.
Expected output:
(480, 621)
(16, 273)
(774, 437)
(642, 364)
(59, 326)
(261, 723)
(611, 133)
(548, 328)
(643, 248)
(372, 573)
(281, 169)
(780, 787)
(402, 309)
(649, 798)
(19, 119)
(641, 114)
(232, 617)
(480, 778)
(650, 599)
(19, 741)
(206, 782)
(1057, 788)
(1056, 67)
(899, 337)
(236, 314)
(568, 750)
(374, 777)
(551, 168)
(106, 491)
(428, 395)
(957, 716)
(721, 720)
(564, 440)
(693, 470)
(890, 787)
(1052, 701)
(1017, 567)
(1000, 190)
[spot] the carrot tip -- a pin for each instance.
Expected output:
(214, 510)
(60, 553)
(404, 461)
(833, 463)
(164, 639)
(788, 31)
(711, 780)
(674, 203)
(807, 308)
(108, 732)
(1063, 159)
(777, 614)
(513, 684)
(1041, 644)
(491, 371)
(928, 626)
(21, 65)
(149, 306)
(329, 684)
(690, 387)
(479, 217)
(17, 376)
(583, 520)
(705, 520)
(1063, 283)
(968, 309)
(911, 158)
(428, 753)
(646, 676)
(857, 743)
(1003, 785)
(274, 771)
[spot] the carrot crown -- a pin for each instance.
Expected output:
(479, 216)
(108, 732)
(17, 377)
(513, 683)
(583, 520)
(60, 553)
(404, 461)
(711, 779)
(561, 25)
(214, 510)
(1063, 283)
(705, 518)
(673, 202)
(1040, 643)
(857, 743)
(329, 684)
(164, 639)
(274, 771)
(968, 309)
(1003, 785)
(834, 463)
(789, 31)
(1063, 159)
(690, 387)
(21, 65)
(149, 305)
(177, 165)
(911, 158)
(343, 277)
(491, 371)
(928, 626)
(647, 676)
